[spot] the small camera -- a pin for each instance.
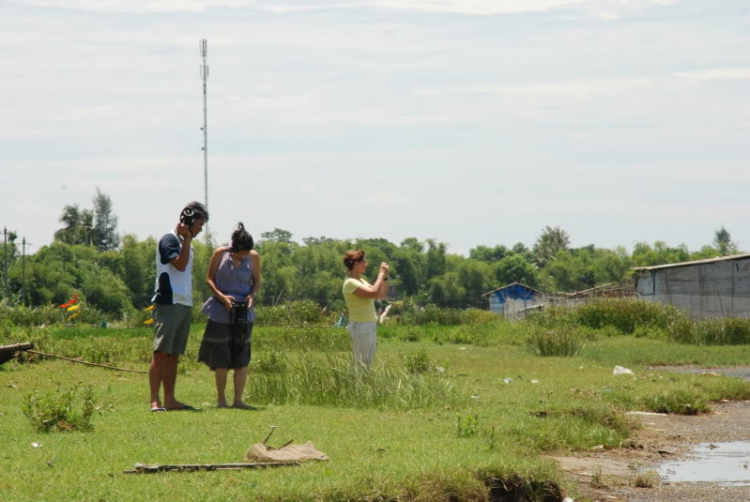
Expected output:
(239, 313)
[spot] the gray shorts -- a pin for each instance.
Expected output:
(171, 328)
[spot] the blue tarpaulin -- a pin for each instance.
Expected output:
(515, 292)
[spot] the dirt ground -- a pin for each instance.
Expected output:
(612, 475)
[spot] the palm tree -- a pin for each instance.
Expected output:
(552, 241)
(79, 226)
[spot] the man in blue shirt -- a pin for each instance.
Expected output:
(173, 302)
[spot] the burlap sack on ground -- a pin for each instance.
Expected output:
(290, 453)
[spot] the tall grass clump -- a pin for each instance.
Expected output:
(64, 410)
(333, 381)
(432, 314)
(561, 342)
(295, 313)
(319, 338)
(22, 316)
(719, 331)
(624, 314)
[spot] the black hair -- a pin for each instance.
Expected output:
(241, 239)
(193, 211)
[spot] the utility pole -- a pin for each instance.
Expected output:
(5, 262)
(23, 271)
(204, 76)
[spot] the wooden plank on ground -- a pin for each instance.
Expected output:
(16, 347)
(149, 469)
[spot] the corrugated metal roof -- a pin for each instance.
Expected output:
(696, 262)
(511, 285)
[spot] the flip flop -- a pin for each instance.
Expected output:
(154, 410)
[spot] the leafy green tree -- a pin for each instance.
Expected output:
(277, 235)
(409, 271)
(139, 269)
(490, 254)
(516, 268)
(476, 278)
(435, 263)
(723, 242)
(645, 255)
(446, 290)
(412, 244)
(57, 271)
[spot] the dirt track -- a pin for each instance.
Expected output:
(610, 475)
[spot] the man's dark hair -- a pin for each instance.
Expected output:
(193, 211)
(241, 239)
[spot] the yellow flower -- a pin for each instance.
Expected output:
(149, 308)
(74, 316)
(148, 322)
(73, 307)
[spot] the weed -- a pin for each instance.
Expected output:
(491, 441)
(679, 401)
(57, 411)
(272, 363)
(596, 478)
(468, 426)
(647, 479)
(419, 362)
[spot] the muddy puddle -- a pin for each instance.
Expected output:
(726, 464)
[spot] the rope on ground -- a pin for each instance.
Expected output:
(79, 361)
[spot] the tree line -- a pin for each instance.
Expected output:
(116, 274)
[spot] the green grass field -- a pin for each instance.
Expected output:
(471, 426)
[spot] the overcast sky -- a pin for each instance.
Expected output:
(468, 121)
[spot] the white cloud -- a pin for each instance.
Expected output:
(717, 74)
(599, 8)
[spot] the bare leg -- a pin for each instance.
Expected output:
(156, 376)
(170, 378)
(240, 378)
(220, 374)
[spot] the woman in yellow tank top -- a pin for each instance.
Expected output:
(360, 298)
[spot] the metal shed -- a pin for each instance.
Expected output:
(716, 287)
(514, 300)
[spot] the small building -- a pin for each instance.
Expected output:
(716, 287)
(514, 300)
(609, 290)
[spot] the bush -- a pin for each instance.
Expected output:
(289, 314)
(20, 315)
(625, 314)
(431, 314)
(56, 411)
(419, 362)
(562, 341)
(332, 381)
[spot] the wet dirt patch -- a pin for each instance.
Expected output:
(737, 371)
(613, 475)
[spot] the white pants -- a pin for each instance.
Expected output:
(364, 342)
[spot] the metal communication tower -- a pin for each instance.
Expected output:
(204, 76)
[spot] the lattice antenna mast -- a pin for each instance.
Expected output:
(204, 76)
